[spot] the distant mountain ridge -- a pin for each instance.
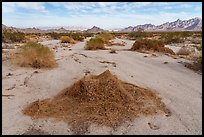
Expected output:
(194, 24)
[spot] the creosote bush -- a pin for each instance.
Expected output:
(95, 43)
(33, 54)
(106, 37)
(67, 39)
(12, 37)
(150, 45)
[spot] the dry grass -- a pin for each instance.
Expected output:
(101, 99)
(94, 44)
(35, 55)
(150, 45)
(116, 44)
(67, 39)
(106, 37)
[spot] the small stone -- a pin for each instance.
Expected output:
(9, 74)
(153, 126)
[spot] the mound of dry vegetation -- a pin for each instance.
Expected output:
(94, 44)
(67, 39)
(106, 37)
(101, 99)
(150, 45)
(34, 55)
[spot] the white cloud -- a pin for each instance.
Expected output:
(12, 6)
(185, 6)
(102, 14)
(197, 8)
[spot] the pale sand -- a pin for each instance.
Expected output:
(179, 87)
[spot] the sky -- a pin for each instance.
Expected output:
(105, 15)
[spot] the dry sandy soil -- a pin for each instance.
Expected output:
(179, 87)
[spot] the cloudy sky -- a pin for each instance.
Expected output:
(102, 14)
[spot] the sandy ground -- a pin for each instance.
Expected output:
(179, 87)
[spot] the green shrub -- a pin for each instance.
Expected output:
(174, 37)
(54, 35)
(139, 34)
(77, 36)
(87, 34)
(35, 55)
(106, 37)
(200, 46)
(11, 37)
(94, 44)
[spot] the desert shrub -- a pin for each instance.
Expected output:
(87, 34)
(200, 60)
(174, 37)
(34, 55)
(200, 46)
(116, 44)
(150, 45)
(67, 39)
(77, 36)
(196, 41)
(54, 35)
(106, 37)
(139, 34)
(94, 44)
(184, 51)
(11, 37)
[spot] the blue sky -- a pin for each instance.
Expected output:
(102, 14)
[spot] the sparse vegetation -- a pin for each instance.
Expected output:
(95, 43)
(150, 45)
(12, 37)
(34, 55)
(67, 39)
(174, 37)
(138, 35)
(77, 36)
(106, 37)
(200, 46)
(183, 51)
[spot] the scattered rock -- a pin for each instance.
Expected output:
(34, 131)
(108, 62)
(9, 74)
(36, 71)
(165, 62)
(145, 56)
(154, 55)
(153, 126)
(87, 72)
(112, 51)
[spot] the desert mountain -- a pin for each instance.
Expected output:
(193, 24)
(95, 29)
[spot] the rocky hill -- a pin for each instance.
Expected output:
(194, 24)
